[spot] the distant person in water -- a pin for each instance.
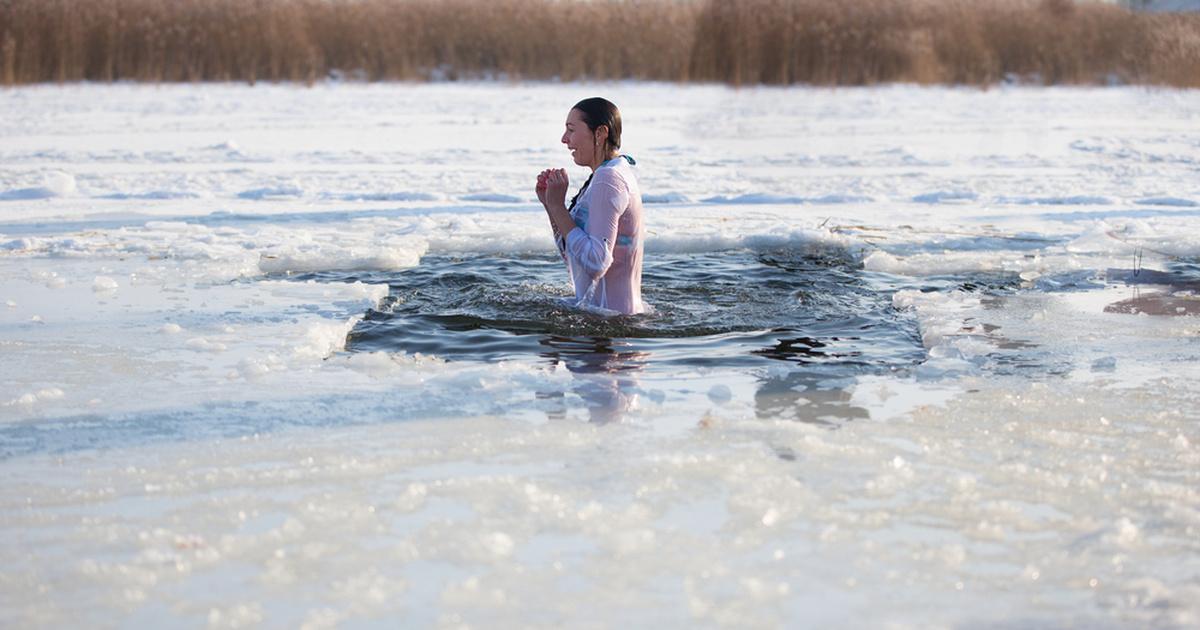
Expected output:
(600, 234)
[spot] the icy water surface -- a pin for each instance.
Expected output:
(291, 357)
(724, 309)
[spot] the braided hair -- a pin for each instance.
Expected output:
(581, 189)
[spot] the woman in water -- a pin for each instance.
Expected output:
(600, 234)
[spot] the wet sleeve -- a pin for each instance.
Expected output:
(592, 248)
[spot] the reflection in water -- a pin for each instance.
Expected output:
(604, 374)
(1158, 303)
(805, 397)
(1175, 291)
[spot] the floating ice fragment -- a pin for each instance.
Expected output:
(1181, 442)
(323, 339)
(104, 284)
(53, 281)
(170, 329)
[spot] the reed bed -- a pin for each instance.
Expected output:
(741, 42)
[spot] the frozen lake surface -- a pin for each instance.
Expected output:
(293, 357)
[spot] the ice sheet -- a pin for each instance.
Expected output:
(186, 442)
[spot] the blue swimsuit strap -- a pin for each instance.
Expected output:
(580, 216)
(627, 158)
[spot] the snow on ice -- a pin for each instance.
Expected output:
(186, 440)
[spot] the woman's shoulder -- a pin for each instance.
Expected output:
(617, 171)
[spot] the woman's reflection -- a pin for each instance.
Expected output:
(604, 373)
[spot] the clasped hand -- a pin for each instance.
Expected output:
(551, 188)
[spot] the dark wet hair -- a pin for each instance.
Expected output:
(595, 112)
(599, 111)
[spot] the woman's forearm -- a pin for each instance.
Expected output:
(560, 218)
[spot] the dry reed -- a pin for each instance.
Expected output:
(734, 41)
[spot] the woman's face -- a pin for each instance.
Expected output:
(579, 139)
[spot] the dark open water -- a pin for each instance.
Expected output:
(723, 309)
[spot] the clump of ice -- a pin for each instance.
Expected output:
(104, 284)
(395, 253)
(57, 184)
(323, 339)
(953, 339)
